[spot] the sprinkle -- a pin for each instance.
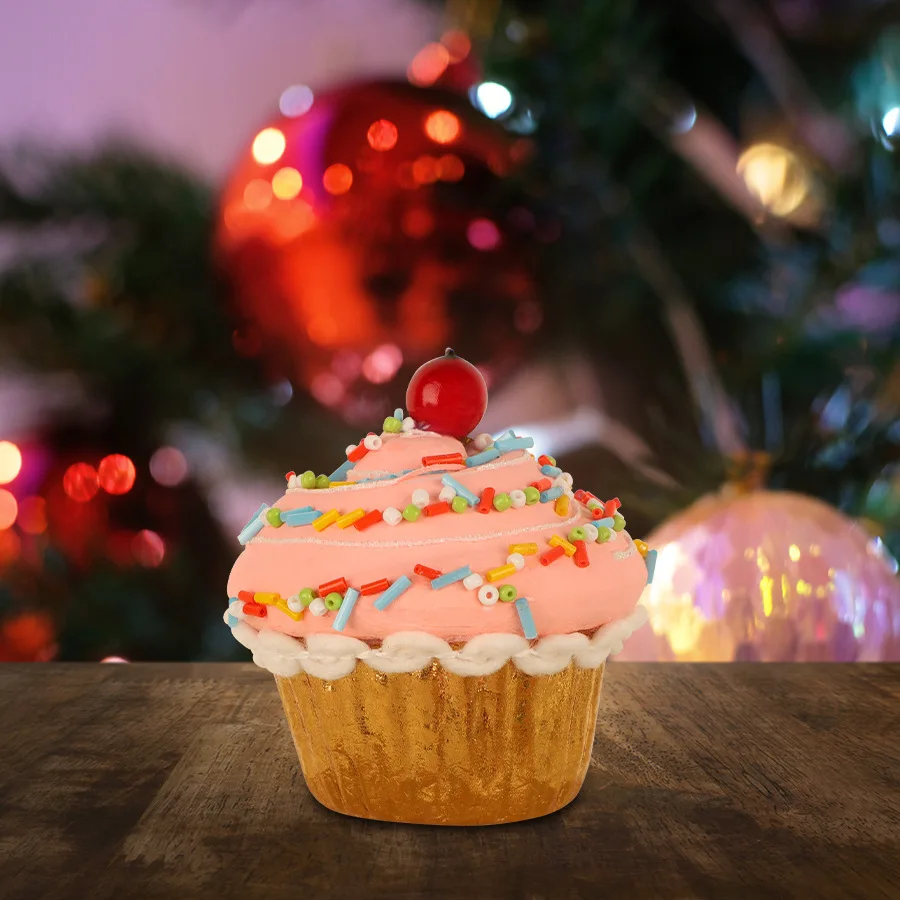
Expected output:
(612, 506)
(551, 471)
(254, 526)
(295, 614)
(525, 617)
(374, 587)
(372, 442)
(333, 601)
(505, 444)
(368, 520)
(482, 441)
(308, 479)
(349, 518)
(295, 604)
(302, 515)
(517, 560)
(642, 548)
(517, 499)
(508, 593)
(444, 459)
(579, 495)
(408, 424)
(245, 596)
(532, 495)
(289, 475)
(488, 595)
(601, 521)
(306, 596)
(392, 516)
(338, 585)
(650, 560)
(603, 534)
(318, 607)
(427, 571)
(322, 482)
(255, 609)
(460, 489)
(487, 501)
(340, 483)
(561, 507)
(398, 413)
(551, 494)
(437, 509)
(542, 484)
(524, 549)
(411, 512)
(618, 522)
(483, 457)
(594, 504)
(581, 557)
(590, 531)
(232, 621)
(392, 425)
(577, 534)
(459, 505)
(357, 453)
(326, 519)
(339, 473)
(459, 574)
(557, 541)
(268, 598)
(502, 502)
(545, 460)
(586, 497)
(421, 498)
(393, 592)
(552, 555)
(500, 572)
(470, 582)
(340, 620)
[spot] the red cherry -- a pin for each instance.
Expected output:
(447, 395)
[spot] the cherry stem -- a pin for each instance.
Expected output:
(449, 353)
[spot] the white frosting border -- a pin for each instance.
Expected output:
(333, 656)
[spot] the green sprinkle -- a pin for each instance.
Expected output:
(392, 425)
(322, 481)
(552, 460)
(532, 495)
(501, 502)
(603, 534)
(508, 593)
(593, 504)
(618, 522)
(459, 505)
(307, 595)
(577, 534)
(411, 513)
(308, 480)
(333, 601)
(273, 517)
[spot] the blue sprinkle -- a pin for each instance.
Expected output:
(393, 592)
(551, 494)
(460, 489)
(341, 471)
(525, 617)
(552, 471)
(254, 526)
(232, 621)
(608, 522)
(305, 516)
(481, 458)
(398, 414)
(351, 595)
(451, 577)
(505, 444)
(650, 559)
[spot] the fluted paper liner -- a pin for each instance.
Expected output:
(432, 747)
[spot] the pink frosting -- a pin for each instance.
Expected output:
(563, 597)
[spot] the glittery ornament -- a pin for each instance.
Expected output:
(772, 577)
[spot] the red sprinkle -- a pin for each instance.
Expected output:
(289, 475)
(443, 459)
(358, 453)
(611, 507)
(581, 556)
(246, 596)
(255, 609)
(580, 496)
(375, 587)
(427, 572)
(544, 460)
(339, 585)
(368, 520)
(486, 504)
(553, 554)
(437, 509)
(598, 513)
(543, 485)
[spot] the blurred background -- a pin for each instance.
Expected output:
(668, 234)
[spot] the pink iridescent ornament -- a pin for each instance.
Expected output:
(771, 577)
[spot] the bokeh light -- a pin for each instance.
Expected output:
(442, 127)
(327, 388)
(428, 65)
(417, 222)
(287, 183)
(458, 45)
(382, 135)
(491, 98)
(32, 517)
(114, 659)
(10, 461)
(451, 167)
(295, 100)
(9, 509)
(168, 466)
(337, 179)
(116, 474)
(381, 365)
(81, 482)
(891, 121)
(776, 177)
(483, 234)
(268, 146)
(149, 548)
(10, 547)
(425, 170)
(257, 194)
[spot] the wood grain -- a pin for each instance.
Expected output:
(706, 781)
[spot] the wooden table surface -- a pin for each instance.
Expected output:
(707, 781)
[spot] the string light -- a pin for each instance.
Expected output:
(382, 135)
(776, 177)
(491, 98)
(10, 461)
(442, 127)
(268, 146)
(80, 482)
(116, 473)
(9, 509)
(337, 179)
(287, 183)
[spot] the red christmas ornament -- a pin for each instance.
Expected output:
(447, 395)
(353, 235)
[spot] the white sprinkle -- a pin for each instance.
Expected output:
(350, 449)
(409, 424)
(590, 531)
(517, 560)
(372, 442)
(318, 607)
(447, 493)
(488, 595)
(392, 516)
(517, 498)
(567, 478)
(295, 604)
(482, 441)
(293, 482)
(420, 498)
(470, 582)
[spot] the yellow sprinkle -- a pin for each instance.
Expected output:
(340, 483)
(501, 572)
(268, 598)
(524, 549)
(562, 505)
(555, 541)
(296, 616)
(642, 547)
(329, 518)
(347, 520)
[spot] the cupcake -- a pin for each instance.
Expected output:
(437, 614)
